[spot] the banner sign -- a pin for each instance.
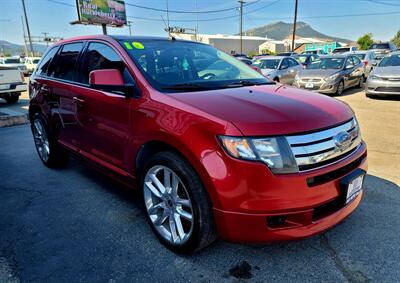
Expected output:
(109, 12)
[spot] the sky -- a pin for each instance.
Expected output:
(54, 17)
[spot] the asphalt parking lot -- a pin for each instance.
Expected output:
(75, 224)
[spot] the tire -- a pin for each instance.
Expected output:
(47, 147)
(12, 99)
(340, 88)
(361, 82)
(190, 198)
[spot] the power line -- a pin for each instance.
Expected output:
(383, 3)
(188, 12)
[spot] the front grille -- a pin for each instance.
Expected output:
(311, 80)
(320, 148)
(388, 89)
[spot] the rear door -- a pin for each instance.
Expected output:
(104, 117)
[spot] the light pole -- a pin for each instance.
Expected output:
(27, 28)
(294, 25)
(241, 25)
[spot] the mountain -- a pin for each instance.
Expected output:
(17, 49)
(282, 30)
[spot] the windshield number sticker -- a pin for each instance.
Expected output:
(137, 45)
(128, 45)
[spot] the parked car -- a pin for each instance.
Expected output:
(332, 74)
(382, 49)
(286, 54)
(368, 57)
(385, 77)
(245, 60)
(340, 50)
(278, 68)
(214, 147)
(31, 63)
(306, 59)
(13, 63)
(11, 84)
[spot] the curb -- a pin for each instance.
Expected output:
(11, 118)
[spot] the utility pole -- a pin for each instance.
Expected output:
(23, 33)
(197, 22)
(104, 27)
(45, 38)
(129, 23)
(241, 25)
(294, 25)
(27, 28)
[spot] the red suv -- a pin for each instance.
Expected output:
(214, 147)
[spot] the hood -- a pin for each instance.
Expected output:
(390, 71)
(317, 73)
(269, 109)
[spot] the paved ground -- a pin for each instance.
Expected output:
(75, 224)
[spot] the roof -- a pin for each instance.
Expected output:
(272, 57)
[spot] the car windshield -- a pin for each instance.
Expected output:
(171, 66)
(11, 61)
(35, 61)
(379, 46)
(327, 63)
(302, 58)
(393, 60)
(267, 63)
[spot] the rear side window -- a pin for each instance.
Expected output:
(66, 61)
(292, 62)
(41, 69)
(356, 60)
(100, 56)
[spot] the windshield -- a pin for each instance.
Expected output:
(11, 61)
(393, 60)
(172, 65)
(267, 63)
(379, 46)
(327, 63)
(35, 61)
(302, 58)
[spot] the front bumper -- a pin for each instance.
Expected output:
(255, 194)
(14, 87)
(321, 86)
(382, 87)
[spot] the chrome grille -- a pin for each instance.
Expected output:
(321, 148)
(311, 80)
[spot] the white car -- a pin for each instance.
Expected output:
(13, 63)
(31, 63)
(11, 83)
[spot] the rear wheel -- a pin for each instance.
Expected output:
(13, 98)
(361, 82)
(50, 152)
(177, 206)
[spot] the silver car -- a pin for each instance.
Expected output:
(278, 68)
(368, 57)
(385, 77)
(382, 49)
(332, 74)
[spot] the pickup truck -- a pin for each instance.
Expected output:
(11, 83)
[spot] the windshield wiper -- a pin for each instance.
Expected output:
(187, 86)
(248, 83)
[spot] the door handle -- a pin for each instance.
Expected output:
(45, 89)
(78, 100)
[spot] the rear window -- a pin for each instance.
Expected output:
(12, 61)
(380, 46)
(360, 56)
(65, 68)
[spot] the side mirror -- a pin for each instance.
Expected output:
(110, 80)
(349, 67)
(374, 63)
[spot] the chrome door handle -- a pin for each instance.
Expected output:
(78, 100)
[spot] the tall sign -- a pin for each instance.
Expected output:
(101, 12)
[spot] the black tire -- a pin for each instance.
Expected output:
(12, 99)
(340, 88)
(204, 231)
(57, 156)
(361, 82)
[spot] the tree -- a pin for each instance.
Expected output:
(365, 41)
(396, 39)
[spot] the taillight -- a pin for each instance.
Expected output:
(365, 63)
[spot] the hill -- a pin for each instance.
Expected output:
(282, 30)
(17, 49)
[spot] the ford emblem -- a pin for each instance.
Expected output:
(343, 140)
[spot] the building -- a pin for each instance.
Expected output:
(226, 43)
(280, 46)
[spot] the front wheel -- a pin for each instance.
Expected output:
(50, 152)
(361, 82)
(177, 206)
(340, 88)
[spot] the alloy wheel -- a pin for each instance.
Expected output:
(340, 88)
(168, 205)
(41, 140)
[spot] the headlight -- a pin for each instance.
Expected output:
(275, 152)
(373, 77)
(297, 78)
(331, 78)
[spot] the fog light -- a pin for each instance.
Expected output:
(276, 221)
